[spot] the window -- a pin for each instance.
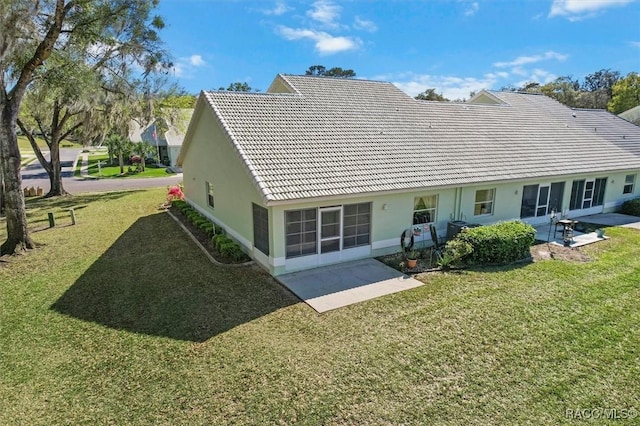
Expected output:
(209, 194)
(484, 202)
(301, 232)
(587, 193)
(629, 182)
(261, 228)
(357, 225)
(424, 209)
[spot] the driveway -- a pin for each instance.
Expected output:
(34, 175)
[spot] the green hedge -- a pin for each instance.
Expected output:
(631, 207)
(501, 243)
(228, 248)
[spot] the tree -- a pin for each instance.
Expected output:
(563, 89)
(178, 101)
(238, 87)
(31, 31)
(144, 150)
(70, 82)
(600, 85)
(625, 94)
(119, 147)
(53, 106)
(431, 95)
(321, 71)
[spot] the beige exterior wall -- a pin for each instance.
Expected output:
(211, 157)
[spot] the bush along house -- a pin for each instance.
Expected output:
(322, 170)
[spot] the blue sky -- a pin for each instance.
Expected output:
(454, 46)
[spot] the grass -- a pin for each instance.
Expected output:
(121, 320)
(25, 146)
(110, 172)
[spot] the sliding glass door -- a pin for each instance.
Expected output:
(541, 200)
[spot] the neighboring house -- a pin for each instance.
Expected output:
(322, 170)
(169, 142)
(632, 115)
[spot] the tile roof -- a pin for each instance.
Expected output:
(341, 137)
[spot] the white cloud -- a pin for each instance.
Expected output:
(325, 43)
(185, 66)
(524, 60)
(518, 67)
(635, 44)
(576, 10)
(279, 9)
(451, 87)
(178, 70)
(196, 60)
(472, 9)
(363, 24)
(325, 11)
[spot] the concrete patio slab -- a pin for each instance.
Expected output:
(612, 219)
(579, 239)
(335, 286)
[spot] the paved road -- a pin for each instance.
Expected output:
(35, 175)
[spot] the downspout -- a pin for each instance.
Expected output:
(457, 205)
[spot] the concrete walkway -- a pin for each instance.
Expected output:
(612, 219)
(335, 286)
(84, 165)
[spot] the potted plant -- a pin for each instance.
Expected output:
(600, 233)
(412, 259)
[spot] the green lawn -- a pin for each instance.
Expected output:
(25, 146)
(106, 171)
(121, 320)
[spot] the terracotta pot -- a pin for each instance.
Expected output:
(412, 263)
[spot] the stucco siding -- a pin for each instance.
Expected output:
(212, 158)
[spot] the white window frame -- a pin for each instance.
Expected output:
(491, 202)
(432, 211)
(629, 186)
(210, 195)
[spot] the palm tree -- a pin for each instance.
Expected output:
(143, 149)
(118, 146)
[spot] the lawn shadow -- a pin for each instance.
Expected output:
(153, 280)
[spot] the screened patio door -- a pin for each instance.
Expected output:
(330, 241)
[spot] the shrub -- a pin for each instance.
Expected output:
(192, 216)
(500, 243)
(207, 228)
(232, 250)
(180, 205)
(219, 240)
(631, 207)
(455, 252)
(175, 193)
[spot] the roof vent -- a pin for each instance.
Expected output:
(573, 115)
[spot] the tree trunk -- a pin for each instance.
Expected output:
(121, 162)
(1, 191)
(17, 233)
(55, 177)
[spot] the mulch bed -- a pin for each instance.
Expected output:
(539, 251)
(546, 251)
(204, 239)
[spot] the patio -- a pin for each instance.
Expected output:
(546, 233)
